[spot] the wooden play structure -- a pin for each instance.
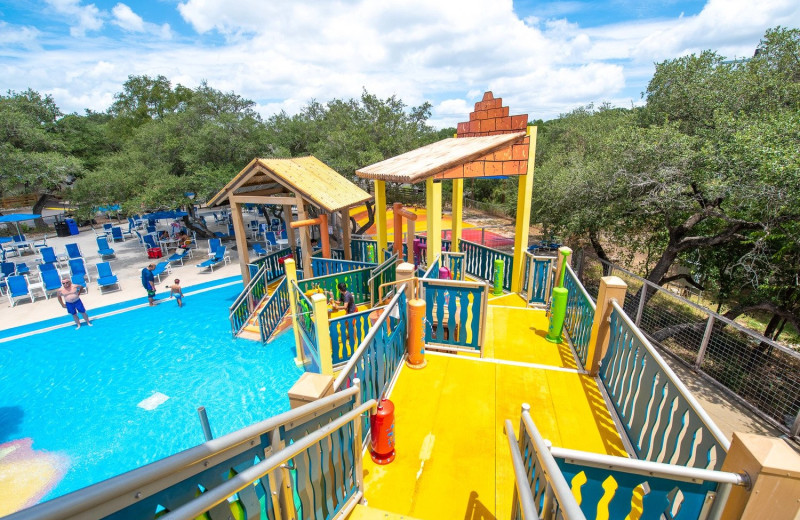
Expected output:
(299, 181)
(491, 145)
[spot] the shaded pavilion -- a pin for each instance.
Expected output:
(298, 181)
(491, 145)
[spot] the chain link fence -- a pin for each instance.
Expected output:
(763, 374)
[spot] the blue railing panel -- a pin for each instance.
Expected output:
(271, 315)
(347, 333)
(453, 315)
(274, 266)
(326, 266)
(480, 262)
(659, 421)
(602, 497)
(579, 317)
(540, 279)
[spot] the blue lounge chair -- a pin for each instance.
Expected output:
(116, 234)
(219, 256)
(259, 250)
(18, 288)
(48, 256)
(271, 239)
(149, 241)
(51, 282)
(73, 251)
(105, 277)
(102, 248)
(213, 245)
(78, 269)
(7, 268)
(161, 268)
(22, 268)
(179, 255)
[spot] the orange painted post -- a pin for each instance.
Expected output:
(324, 235)
(416, 334)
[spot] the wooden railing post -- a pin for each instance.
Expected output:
(774, 471)
(404, 272)
(611, 287)
(291, 276)
(320, 305)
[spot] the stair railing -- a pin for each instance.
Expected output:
(248, 300)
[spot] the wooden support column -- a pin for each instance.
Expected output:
(458, 211)
(346, 233)
(287, 221)
(305, 239)
(320, 305)
(397, 212)
(611, 287)
(433, 201)
(524, 193)
(241, 239)
(380, 216)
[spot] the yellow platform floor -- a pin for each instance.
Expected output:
(452, 454)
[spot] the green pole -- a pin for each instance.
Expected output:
(558, 312)
(498, 277)
(564, 252)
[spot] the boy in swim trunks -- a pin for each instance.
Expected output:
(176, 291)
(69, 298)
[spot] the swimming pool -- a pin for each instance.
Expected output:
(102, 400)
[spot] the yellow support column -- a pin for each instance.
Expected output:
(320, 304)
(291, 276)
(433, 201)
(380, 217)
(458, 206)
(524, 193)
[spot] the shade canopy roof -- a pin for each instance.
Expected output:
(18, 217)
(266, 181)
(422, 163)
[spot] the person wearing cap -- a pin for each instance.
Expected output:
(176, 291)
(69, 298)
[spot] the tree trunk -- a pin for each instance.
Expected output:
(37, 210)
(772, 325)
(370, 219)
(601, 253)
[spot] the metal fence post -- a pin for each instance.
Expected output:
(642, 300)
(201, 411)
(701, 354)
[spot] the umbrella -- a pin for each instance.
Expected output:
(164, 214)
(16, 218)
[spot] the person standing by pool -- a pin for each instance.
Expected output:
(149, 283)
(69, 298)
(176, 291)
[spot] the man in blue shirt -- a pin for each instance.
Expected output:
(149, 283)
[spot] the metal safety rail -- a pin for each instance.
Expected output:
(550, 478)
(248, 300)
(304, 463)
(580, 315)
(661, 418)
(272, 313)
(382, 274)
(378, 358)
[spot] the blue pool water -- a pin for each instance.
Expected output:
(76, 393)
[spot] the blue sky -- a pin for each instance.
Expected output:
(543, 58)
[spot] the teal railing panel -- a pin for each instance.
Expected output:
(661, 423)
(480, 262)
(432, 273)
(454, 314)
(248, 299)
(383, 274)
(661, 500)
(271, 315)
(347, 332)
(326, 266)
(454, 262)
(357, 282)
(580, 315)
(364, 251)
(274, 265)
(308, 331)
(539, 279)
(379, 355)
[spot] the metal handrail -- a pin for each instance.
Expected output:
(247, 288)
(553, 474)
(367, 340)
(414, 286)
(383, 267)
(430, 267)
(524, 494)
(685, 393)
(133, 483)
(220, 493)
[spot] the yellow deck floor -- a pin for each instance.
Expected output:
(452, 458)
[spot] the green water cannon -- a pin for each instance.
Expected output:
(558, 305)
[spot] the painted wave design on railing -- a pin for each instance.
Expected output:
(660, 422)
(480, 262)
(579, 317)
(455, 313)
(356, 281)
(327, 266)
(347, 332)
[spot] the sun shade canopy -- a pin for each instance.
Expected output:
(267, 181)
(428, 161)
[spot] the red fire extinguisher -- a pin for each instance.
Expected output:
(382, 428)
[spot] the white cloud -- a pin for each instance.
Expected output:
(86, 17)
(283, 53)
(18, 36)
